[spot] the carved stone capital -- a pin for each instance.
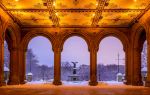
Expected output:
(13, 49)
(57, 50)
(22, 49)
(138, 49)
(93, 48)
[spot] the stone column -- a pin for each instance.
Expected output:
(22, 66)
(137, 77)
(1, 63)
(93, 67)
(128, 66)
(147, 84)
(57, 66)
(14, 67)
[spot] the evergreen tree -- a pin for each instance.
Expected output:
(6, 55)
(144, 55)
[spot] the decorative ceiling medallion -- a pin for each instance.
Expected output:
(62, 5)
(38, 5)
(90, 5)
(75, 2)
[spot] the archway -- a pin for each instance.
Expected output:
(144, 62)
(75, 51)
(111, 61)
(9, 46)
(6, 62)
(139, 39)
(39, 60)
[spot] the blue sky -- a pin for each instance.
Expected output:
(75, 49)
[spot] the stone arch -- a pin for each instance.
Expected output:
(125, 43)
(30, 35)
(23, 48)
(10, 39)
(84, 36)
(139, 37)
(12, 35)
(117, 34)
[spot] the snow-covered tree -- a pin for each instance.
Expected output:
(144, 55)
(6, 55)
(31, 60)
(66, 70)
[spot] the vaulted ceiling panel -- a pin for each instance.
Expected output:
(117, 18)
(75, 18)
(23, 4)
(118, 13)
(127, 4)
(33, 18)
(75, 4)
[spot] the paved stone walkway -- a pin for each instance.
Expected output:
(49, 89)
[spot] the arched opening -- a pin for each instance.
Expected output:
(144, 62)
(6, 62)
(75, 62)
(111, 61)
(141, 45)
(9, 43)
(39, 61)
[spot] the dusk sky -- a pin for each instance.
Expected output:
(75, 49)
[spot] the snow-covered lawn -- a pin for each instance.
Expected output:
(77, 83)
(40, 82)
(113, 82)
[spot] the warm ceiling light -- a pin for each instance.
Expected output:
(96, 4)
(16, 0)
(135, 0)
(54, 3)
(56, 14)
(93, 15)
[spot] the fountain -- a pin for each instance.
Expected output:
(74, 76)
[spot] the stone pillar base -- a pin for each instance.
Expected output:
(93, 83)
(57, 82)
(13, 82)
(138, 83)
(147, 83)
(23, 82)
(2, 83)
(127, 83)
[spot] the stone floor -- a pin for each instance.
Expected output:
(49, 89)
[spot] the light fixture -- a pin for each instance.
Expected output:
(96, 4)
(16, 0)
(56, 14)
(93, 15)
(54, 3)
(135, 0)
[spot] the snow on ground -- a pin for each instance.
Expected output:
(112, 82)
(76, 83)
(49, 89)
(40, 82)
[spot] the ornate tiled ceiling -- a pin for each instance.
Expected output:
(102, 13)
